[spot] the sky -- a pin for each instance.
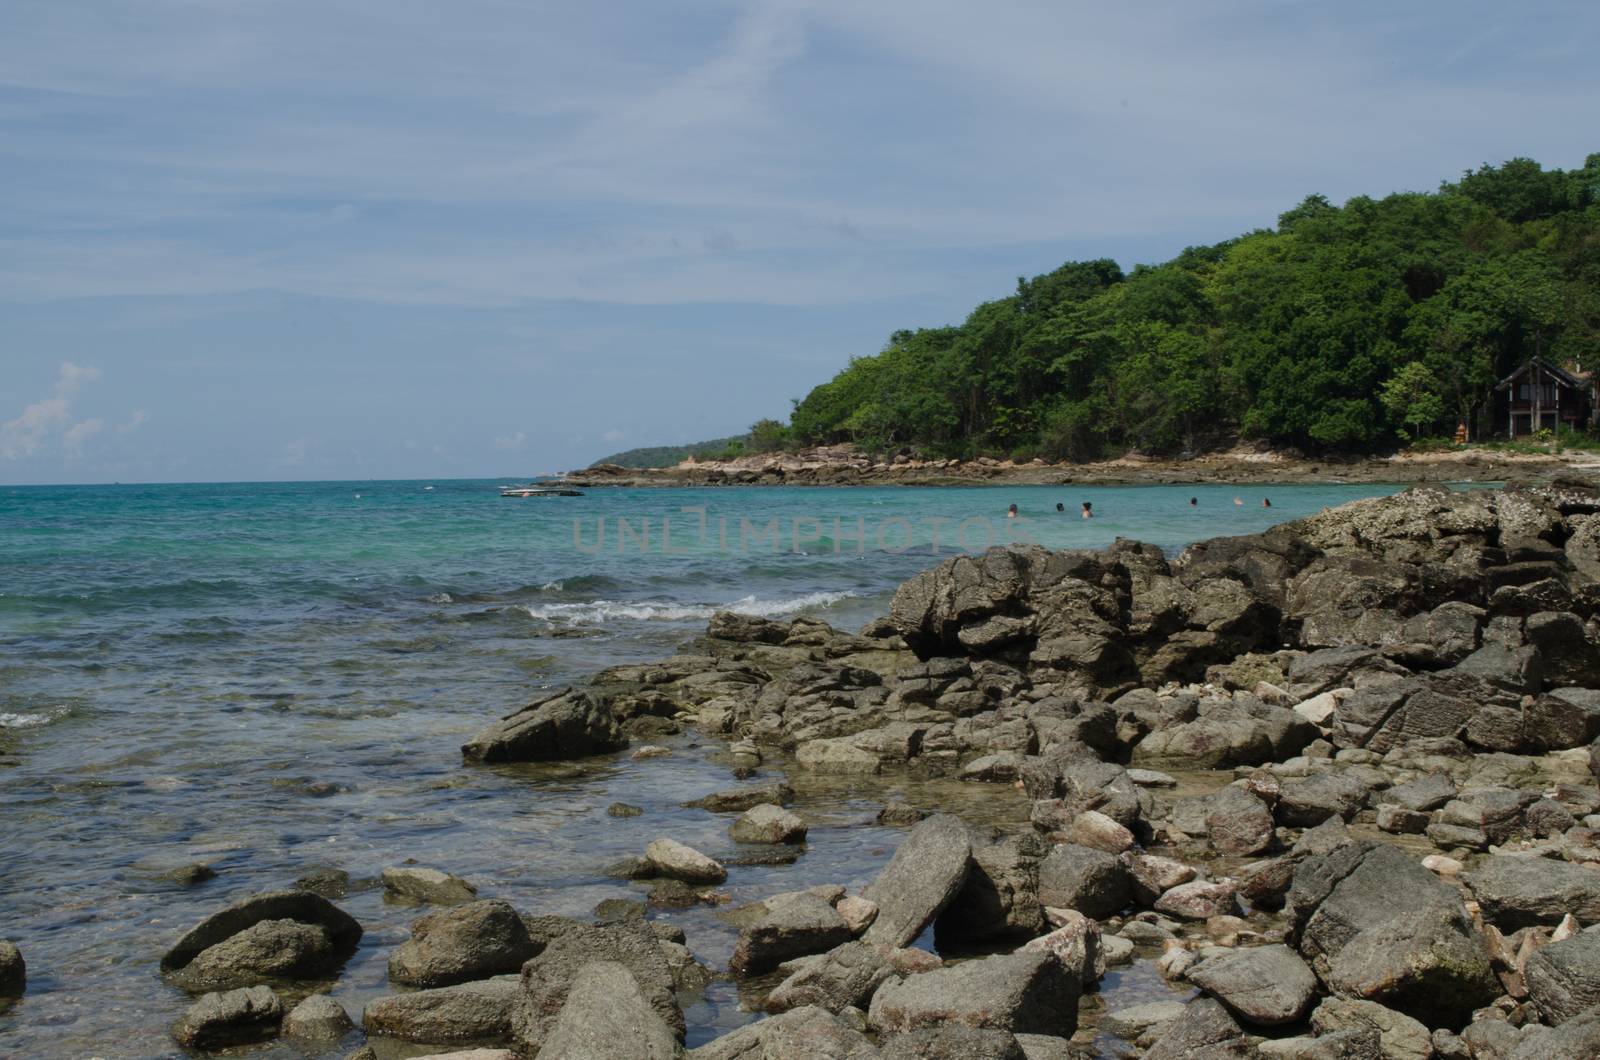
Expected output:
(345, 239)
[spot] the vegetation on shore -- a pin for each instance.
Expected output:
(1344, 328)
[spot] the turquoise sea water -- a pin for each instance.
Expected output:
(267, 677)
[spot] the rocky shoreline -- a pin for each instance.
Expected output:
(1387, 843)
(842, 465)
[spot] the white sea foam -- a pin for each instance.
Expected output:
(22, 721)
(647, 610)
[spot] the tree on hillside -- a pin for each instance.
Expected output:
(1411, 397)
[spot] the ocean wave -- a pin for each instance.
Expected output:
(656, 610)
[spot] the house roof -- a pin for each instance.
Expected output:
(1564, 377)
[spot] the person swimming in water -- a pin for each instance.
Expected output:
(1266, 502)
(1060, 507)
(1194, 502)
(1011, 512)
(1239, 501)
(1088, 509)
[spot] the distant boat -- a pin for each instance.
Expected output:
(539, 491)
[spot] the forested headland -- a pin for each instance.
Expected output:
(1344, 328)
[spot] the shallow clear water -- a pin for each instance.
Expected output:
(271, 677)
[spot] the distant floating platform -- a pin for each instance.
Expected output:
(540, 491)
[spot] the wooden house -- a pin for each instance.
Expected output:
(1540, 396)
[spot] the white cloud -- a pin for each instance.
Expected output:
(39, 422)
(613, 435)
(73, 437)
(511, 441)
(137, 420)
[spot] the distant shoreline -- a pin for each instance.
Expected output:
(840, 466)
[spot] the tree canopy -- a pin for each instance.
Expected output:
(1341, 328)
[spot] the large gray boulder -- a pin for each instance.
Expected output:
(295, 952)
(566, 724)
(1024, 993)
(547, 978)
(843, 977)
(791, 926)
(470, 1012)
(237, 1017)
(1307, 803)
(1091, 881)
(607, 1016)
(1564, 977)
(1265, 985)
(1399, 1036)
(1239, 824)
(953, 1041)
(1378, 926)
(474, 941)
(1517, 892)
(13, 970)
(810, 1031)
(923, 877)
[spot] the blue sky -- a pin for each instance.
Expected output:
(267, 239)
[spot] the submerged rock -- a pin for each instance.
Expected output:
(677, 861)
(767, 823)
(427, 885)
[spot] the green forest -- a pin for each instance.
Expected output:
(1348, 328)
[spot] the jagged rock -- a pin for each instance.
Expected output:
(547, 979)
(1265, 985)
(427, 885)
(809, 1031)
(237, 1017)
(566, 724)
(1576, 1039)
(469, 1012)
(1563, 978)
(677, 861)
(1401, 821)
(1562, 718)
(767, 823)
(1077, 877)
(1150, 875)
(13, 970)
(1028, 993)
(953, 1041)
(607, 1016)
(1091, 828)
(792, 925)
(1199, 900)
(1239, 823)
(1568, 655)
(1379, 927)
(290, 951)
(1076, 943)
(1518, 892)
(837, 756)
(843, 977)
(1205, 1031)
(473, 941)
(1400, 1037)
(924, 876)
(318, 1018)
(1428, 793)
(1311, 801)
(1000, 898)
